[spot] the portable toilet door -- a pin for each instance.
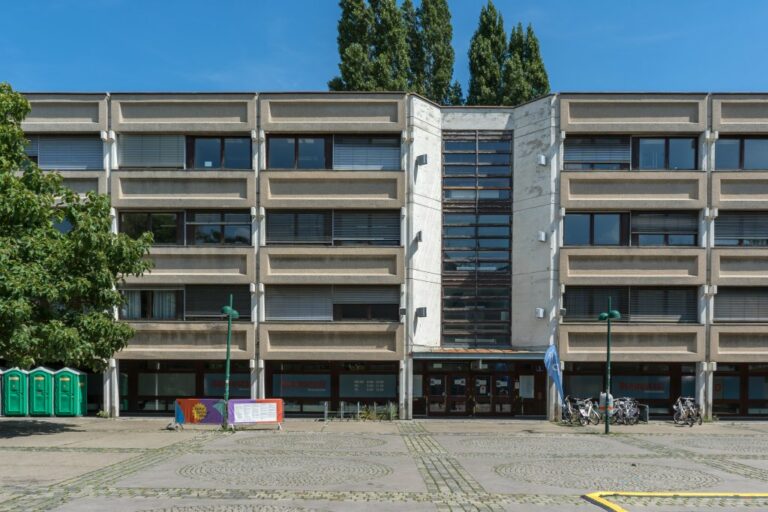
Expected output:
(15, 402)
(1, 391)
(66, 392)
(41, 392)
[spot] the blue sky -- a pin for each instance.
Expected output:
(266, 45)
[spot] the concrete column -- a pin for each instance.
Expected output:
(553, 409)
(106, 399)
(114, 388)
(701, 385)
(709, 393)
(260, 378)
(409, 384)
(254, 367)
(403, 392)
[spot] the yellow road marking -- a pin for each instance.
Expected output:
(598, 498)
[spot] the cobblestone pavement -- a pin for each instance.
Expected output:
(430, 465)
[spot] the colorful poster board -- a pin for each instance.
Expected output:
(209, 411)
(266, 410)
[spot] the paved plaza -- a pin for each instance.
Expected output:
(431, 465)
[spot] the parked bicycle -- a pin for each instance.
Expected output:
(687, 411)
(581, 411)
(625, 411)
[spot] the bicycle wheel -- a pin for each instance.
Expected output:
(677, 418)
(583, 420)
(594, 417)
(699, 419)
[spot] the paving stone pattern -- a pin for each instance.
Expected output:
(421, 466)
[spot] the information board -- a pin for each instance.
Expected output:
(268, 410)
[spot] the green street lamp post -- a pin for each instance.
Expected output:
(231, 314)
(612, 314)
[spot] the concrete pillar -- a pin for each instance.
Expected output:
(114, 388)
(402, 410)
(253, 364)
(709, 396)
(553, 409)
(261, 378)
(409, 383)
(106, 398)
(701, 385)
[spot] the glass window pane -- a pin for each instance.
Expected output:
(493, 219)
(459, 145)
(493, 243)
(458, 219)
(201, 217)
(134, 224)
(651, 153)
(493, 158)
(682, 239)
(494, 170)
(493, 255)
(311, 153)
(459, 158)
(500, 146)
(726, 387)
(459, 243)
(758, 387)
(459, 170)
(462, 231)
(461, 195)
(313, 227)
(607, 229)
(240, 218)
(727, 153)
(493, 182)
(492, 195)
(682, 154)
(650, 240)
(459, 182)
(207, 234)
(165, 228)
(207, 153)
(281, 152)
(493, 231)
(576, 229)
(756, 153)
(237, 153)
(237, 234)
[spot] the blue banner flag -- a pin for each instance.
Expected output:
(552, 363)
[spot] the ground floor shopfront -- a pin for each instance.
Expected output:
(479, 388)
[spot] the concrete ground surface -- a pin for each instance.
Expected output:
(134, 464)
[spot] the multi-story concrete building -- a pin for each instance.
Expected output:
(382, 248)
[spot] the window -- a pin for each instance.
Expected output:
(302, 152)
(738, 228)
(746, 304)
(595, 229)
(674, 153)
(66, 152)
(636, 304)
(205, 228)
(663, 229)
(597, 153)
(477, 166)
(218, 152)
(143, 151)
(366, 153)
(748, 153)
(152, 305)
(333, 303)
(340, 227)
(645, 228)
(204, 302)
(166, 227)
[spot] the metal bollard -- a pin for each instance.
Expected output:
(341, 410)
(325, 412)
(358, 411)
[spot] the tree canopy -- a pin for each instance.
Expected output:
(60, 263)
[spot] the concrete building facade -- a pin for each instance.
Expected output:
(381, 248)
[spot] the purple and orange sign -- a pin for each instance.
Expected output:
(200, 410)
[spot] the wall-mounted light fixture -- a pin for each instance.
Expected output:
(422, 159)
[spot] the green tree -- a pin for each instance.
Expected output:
(535, 72)
(437, 33)
(413, 37)
(517, 90)
(487, 55)
(455, 94)
(389, 47)
(354, 40)
(57, 287)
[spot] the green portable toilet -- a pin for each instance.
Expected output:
(1, 391)
(68, 393)
(41, 392)
(15, 402)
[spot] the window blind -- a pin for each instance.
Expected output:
(207, 300)
(298, 227)
(366, 153)
(299, 303)
(584, 303)
(366, 226)
(747, 304)
(366, 295)
(668, 223)
(663, 305)
(738, 225)
(151, 151)
(67, 153)
(597, 150)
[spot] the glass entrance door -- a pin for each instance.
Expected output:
(458, 385)
(483, 394)
(436, 394)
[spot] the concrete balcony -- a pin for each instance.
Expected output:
(632, 266)
(740, 190)
(331, 341)
(66, 113)
(737, 343)
(83, 182)
(668, 190)
(332, 189)
(162, 188)
(331, 265)
(199, 265)
(189, 340)
(632, 342)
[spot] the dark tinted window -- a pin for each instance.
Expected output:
(607, 229)
(164, 226)
(237, 153)
(682, 154)
(207, 153)
(205, 228)
(576, 228)
(651, 153)
(282, 152)
(311, 153)
(727, 154)
(756, 154)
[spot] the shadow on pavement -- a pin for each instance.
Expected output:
(29, 427)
